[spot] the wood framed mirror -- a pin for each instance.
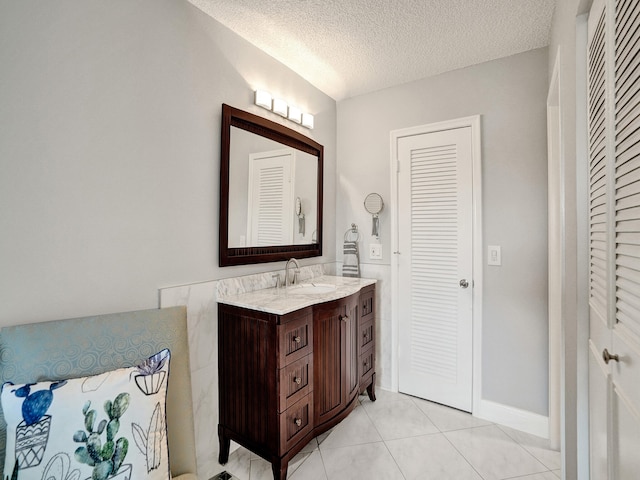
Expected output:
(266, 171)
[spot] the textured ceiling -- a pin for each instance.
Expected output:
(350, 47)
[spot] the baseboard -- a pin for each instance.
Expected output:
(516, 418)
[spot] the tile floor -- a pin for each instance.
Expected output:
(405, 438)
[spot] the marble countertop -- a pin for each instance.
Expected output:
(284, 300)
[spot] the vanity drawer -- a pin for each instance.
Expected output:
(295, 339)
(367, 303)
(367, 364)
(295, 381)
(366, 335)
(296, 422)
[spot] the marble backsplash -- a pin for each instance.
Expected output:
(260, 281)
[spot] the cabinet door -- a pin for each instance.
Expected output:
(329, 356)
(335, 350)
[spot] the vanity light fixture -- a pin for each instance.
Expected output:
(280, 107)
(295, 114)
(263, 99)
(307, 120)
(277, 105)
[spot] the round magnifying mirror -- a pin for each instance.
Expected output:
(298, 206)
(373, 204)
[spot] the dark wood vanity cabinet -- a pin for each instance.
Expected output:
(286, 378)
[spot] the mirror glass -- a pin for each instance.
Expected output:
(271, 191)
(265, 179)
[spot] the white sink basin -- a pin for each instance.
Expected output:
(311, 289)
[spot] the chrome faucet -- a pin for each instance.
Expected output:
(287, 282)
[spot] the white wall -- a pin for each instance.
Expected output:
(510, 94)
(109, 151)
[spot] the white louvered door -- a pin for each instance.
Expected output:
(435, 219)
(614, 238)
(270, 214)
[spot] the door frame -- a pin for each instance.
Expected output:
(556, 177)
(474, 123)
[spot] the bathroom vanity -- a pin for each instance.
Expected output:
(292, 363)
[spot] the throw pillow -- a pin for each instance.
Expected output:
(108, 426)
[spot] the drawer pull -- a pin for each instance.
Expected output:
(298, 421)
(609, 356)
(297, 339)
(297, 380)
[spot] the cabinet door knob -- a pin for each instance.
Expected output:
(298, 421)
(297, 339)
(607, 357)
(344, 318)
(297, 380)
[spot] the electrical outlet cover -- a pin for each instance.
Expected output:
(375, 251)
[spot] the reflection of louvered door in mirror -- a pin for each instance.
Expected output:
(613, 78)
(270, 212)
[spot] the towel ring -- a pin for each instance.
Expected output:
(352, 231)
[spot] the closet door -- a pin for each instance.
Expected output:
(626, 327)
(599, 329)
(435, 271)
(614, 140)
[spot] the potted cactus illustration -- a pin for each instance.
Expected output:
(106, 459)
(59, 468)
(150, 375)
(32, 433)
(149, 440)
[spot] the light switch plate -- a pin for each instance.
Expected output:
(375, 251)
(494, 256)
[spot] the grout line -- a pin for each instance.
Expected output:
(461, 454)
(527, 475)
(394, 459)
(324, 467)
(384, 442)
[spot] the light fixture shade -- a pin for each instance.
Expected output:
(280, 107)
(295, 114)
(307, 120)
(263, 99)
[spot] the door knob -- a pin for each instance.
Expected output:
(607, 357)
(464, 283)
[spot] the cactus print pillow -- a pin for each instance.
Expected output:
(109, 426)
